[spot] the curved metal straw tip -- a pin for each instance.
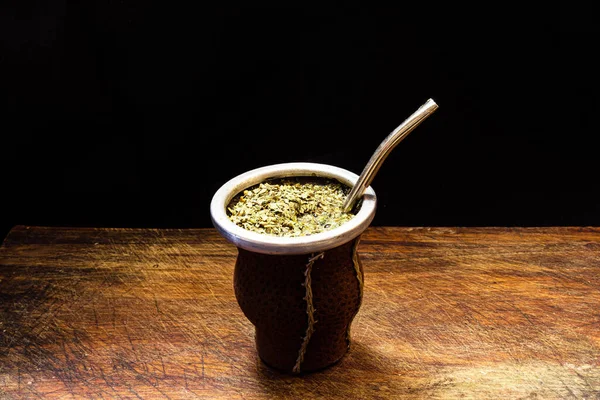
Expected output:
(384, 149)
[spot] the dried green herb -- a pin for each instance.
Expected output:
(291, 207)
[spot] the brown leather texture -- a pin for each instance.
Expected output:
(270, 290)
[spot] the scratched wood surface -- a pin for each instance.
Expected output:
(447, 313)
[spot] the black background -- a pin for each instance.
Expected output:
(132, 114)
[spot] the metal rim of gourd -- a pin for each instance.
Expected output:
(268, 244)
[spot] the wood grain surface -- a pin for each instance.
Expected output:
(473, 313)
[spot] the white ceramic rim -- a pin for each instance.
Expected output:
(268, 244)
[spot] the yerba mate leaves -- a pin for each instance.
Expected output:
(291, 207)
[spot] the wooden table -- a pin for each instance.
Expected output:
(480, 313)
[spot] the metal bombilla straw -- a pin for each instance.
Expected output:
(384, 149)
